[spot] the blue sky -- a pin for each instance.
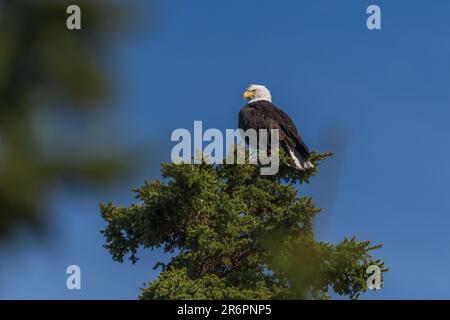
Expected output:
(379, 99)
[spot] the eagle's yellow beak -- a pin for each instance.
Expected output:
(249, 94)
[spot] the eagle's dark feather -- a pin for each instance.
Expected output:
(264, 115)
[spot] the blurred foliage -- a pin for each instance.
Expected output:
(237, 235)
(44, 67)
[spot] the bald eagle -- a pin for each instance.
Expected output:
(260, 113)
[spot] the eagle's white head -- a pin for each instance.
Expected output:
(256, 92)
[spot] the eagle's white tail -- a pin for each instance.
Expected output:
(298, 163)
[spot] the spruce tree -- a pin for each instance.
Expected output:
(235, 234)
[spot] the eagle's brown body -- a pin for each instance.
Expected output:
(264, 115)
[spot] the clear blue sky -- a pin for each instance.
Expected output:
(379, 99)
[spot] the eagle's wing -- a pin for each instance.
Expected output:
(264, 115)
(291, 135)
